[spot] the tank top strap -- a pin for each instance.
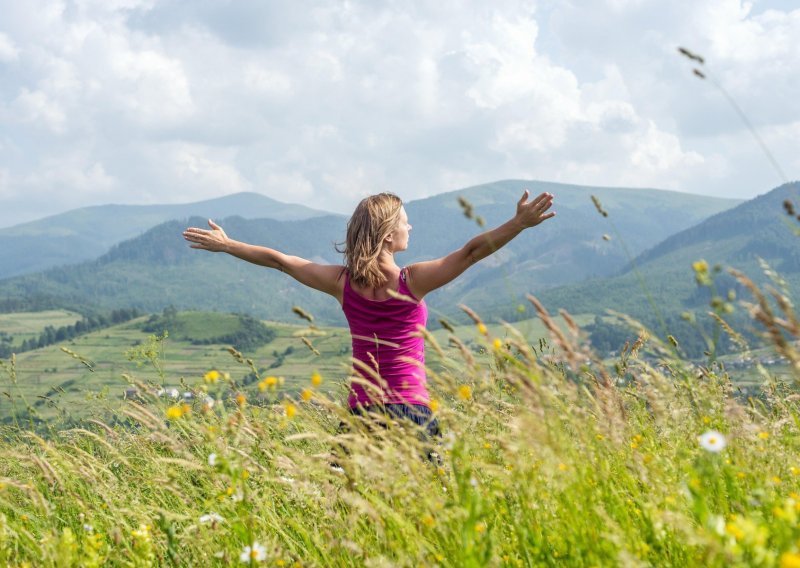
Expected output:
(403, 284)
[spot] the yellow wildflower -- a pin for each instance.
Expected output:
(212, 376)
(482, 329)
(241, 399)
(465, 392)
(562, 467)
(291, 410)
(306, 395)
(268, 383)
(498, 344)
(316, 379)
(790, 560)
(434, 405)
(763, 435)
(734, 531)
(245, 474)
(480, 527)
(794, 470)
(700, 266)
(185, 408)
(174, 412)
(428, 520)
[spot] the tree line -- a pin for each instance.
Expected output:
(51, 334)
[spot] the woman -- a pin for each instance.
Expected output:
(383, 303)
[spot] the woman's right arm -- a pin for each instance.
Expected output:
(324, 277)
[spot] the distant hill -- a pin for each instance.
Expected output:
(739, 237)
(86, 233)
(158, 269)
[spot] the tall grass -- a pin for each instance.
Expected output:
(549, 457)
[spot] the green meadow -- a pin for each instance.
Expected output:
(550, 454)
(92, 377)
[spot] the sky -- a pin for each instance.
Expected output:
(325, 102)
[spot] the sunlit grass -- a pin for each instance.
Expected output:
(548, 458)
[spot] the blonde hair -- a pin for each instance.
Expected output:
(373, 220)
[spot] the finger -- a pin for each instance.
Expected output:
(213, 225)
(541, 198)
(524, 197)
(547, 216)
(543, 204)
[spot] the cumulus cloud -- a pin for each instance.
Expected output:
(156, 100)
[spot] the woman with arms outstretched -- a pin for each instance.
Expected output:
(383, 303)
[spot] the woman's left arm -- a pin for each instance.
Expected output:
(424, 277)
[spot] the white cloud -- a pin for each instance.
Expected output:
(8, 50)
(38, 108)
(162, 101)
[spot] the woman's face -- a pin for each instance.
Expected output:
(399, 237)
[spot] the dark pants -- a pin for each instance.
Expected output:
(417, 414)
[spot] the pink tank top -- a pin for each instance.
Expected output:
(383, 341)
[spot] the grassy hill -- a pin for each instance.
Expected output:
(740, 238)
(86, 233)
(57, 384)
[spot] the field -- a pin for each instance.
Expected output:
(56, 383)
(27, 325)
(549, 456)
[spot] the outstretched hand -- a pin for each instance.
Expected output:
(530, 214)
(214, 240)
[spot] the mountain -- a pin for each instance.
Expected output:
(86, 233)
(741, 237)
(158, 269)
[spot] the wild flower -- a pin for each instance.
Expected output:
(290, 409)
(174, 393)
(465, 392)
(211, 376)
(433, 405)
(482, 328)
(211, 518)
(306, 395)
(208, 403)
(142, 533)
(712, 441)
(316, 379)
(212, 459)
(254, 553)
(174, 412)
(268, 383)
(790, 560)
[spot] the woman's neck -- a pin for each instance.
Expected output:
(386, 262)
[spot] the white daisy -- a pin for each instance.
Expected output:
(712, 441)
(212, 459)
(255, 553)
(212, 518)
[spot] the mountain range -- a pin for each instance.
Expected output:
(157, 268)
(86, 233)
